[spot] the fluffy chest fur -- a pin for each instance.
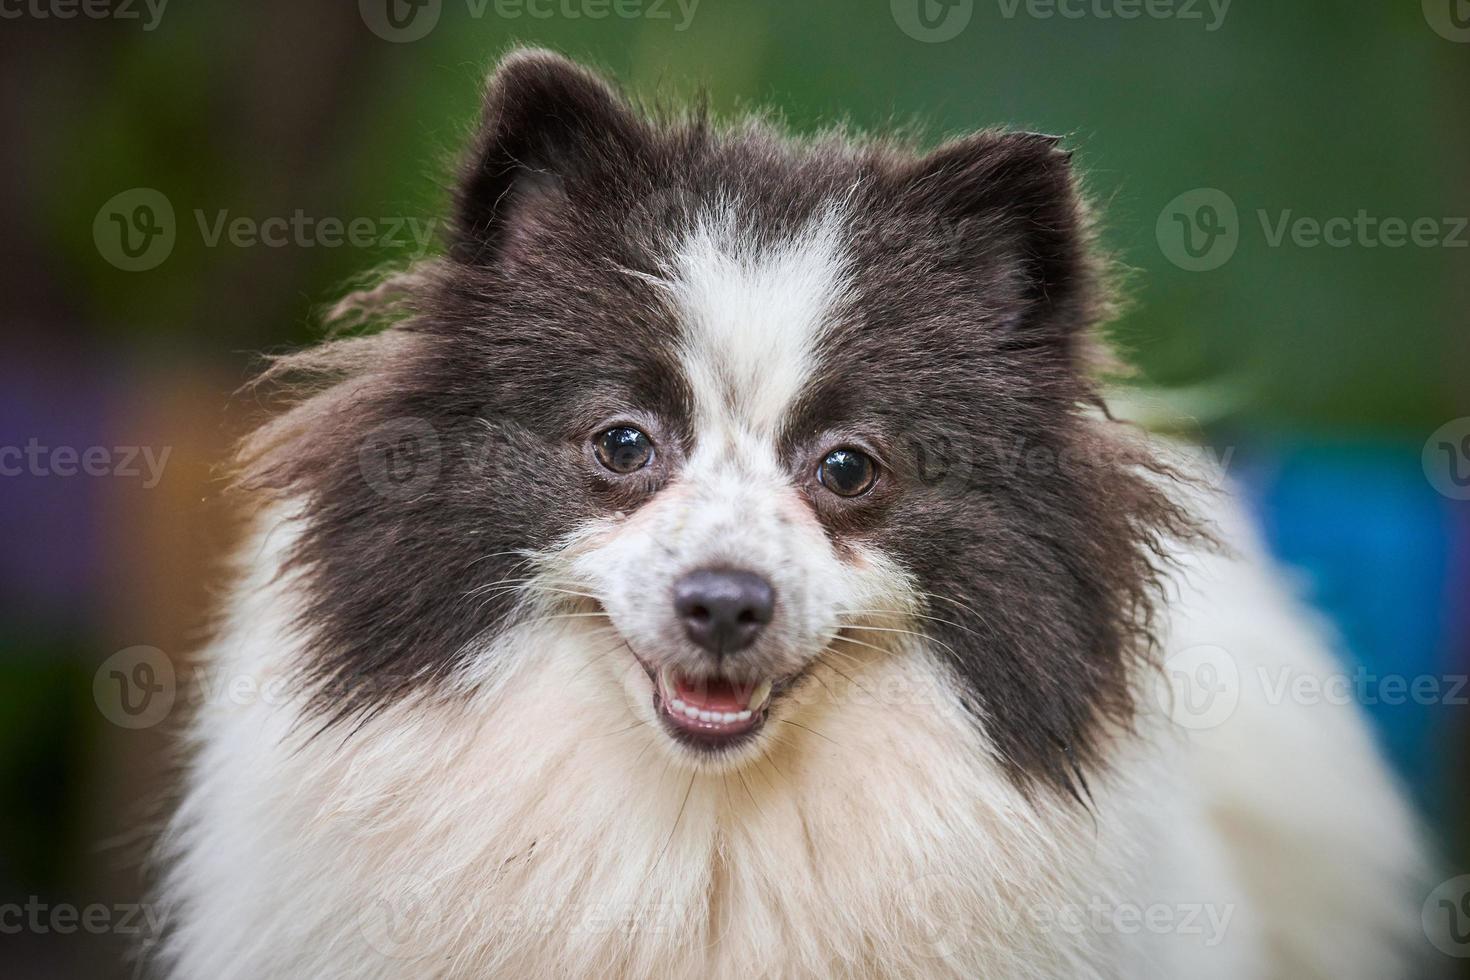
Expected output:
(531, 830)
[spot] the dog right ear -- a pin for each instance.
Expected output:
(548, 129)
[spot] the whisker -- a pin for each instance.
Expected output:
(850, 679)
(960, 605)
(861, 643)
(623, 731)
(598, 656)
(896, 614)
(677, 819)
(530, 585)
(527, 556)
(798, 724)
(758, 807)
(890, 629)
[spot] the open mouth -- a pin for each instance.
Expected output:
(710, 712)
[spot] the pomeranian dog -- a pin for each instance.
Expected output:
(721, 562)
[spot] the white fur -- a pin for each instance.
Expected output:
(519, 835)
(754, 314)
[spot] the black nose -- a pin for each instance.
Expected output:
(723, 610)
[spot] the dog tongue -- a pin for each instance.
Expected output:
(711, 693)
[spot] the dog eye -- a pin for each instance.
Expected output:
(848, 472)
(623, 449)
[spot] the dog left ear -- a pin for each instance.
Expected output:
(548, 127)
(1014, 196)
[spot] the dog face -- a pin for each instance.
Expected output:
(737, 407)
(726, 577)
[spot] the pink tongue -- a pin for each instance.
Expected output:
(711, 693)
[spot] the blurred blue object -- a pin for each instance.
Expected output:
(1385, 557)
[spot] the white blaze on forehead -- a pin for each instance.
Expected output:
(753, 313)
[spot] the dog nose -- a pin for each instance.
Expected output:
(723, 609)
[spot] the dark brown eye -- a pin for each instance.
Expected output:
(848, 472)
(623, 449)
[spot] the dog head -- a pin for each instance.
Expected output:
(737, 407)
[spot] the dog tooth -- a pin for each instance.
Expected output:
(743, 715)
(690, 711)
(761, 694)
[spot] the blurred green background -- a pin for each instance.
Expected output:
(1324, 369)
